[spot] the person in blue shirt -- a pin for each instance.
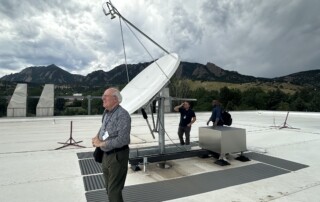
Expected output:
(187, 118)
(216, 114)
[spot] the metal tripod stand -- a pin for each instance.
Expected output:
(70, 141)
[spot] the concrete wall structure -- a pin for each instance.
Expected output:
(45, 105)
(17, 106)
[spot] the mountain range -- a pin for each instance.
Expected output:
(118, 76)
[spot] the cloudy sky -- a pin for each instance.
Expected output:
(267, 38)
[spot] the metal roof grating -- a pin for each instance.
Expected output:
(89, 166)
(93, 182)
(278, 162)
(85, 155)
(191, 185)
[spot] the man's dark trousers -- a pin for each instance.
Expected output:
(115, 167)
(186, 130)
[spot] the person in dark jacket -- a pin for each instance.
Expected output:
(216, 114)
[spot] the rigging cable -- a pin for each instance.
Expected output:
(124, 51)
(177, 146)
(115, 11)
(146, 49)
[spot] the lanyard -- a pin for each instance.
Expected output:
(109, 118)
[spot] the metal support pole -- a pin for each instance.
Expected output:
(145, 162)
(70, 139)
(89, 104)
(161, 125)
(154, 125)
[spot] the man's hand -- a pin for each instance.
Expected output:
(96, 142)
(189, 125)
(176, 108)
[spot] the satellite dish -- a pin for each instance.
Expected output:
(149, 82)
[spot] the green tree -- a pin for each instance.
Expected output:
(60, 104)
(204, 99)
(84, 103)
(315, 102)
(306, 94)
(298, 105)
(76, 103)
(283, 106)
(35, 90)
(254, 98)
(232, 96)
(276, 97)
(230, 106)
(32, 105)
(179, 88)
(225, 96)
(96, 106)
(74, 111)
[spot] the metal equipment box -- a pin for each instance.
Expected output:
(222, 139)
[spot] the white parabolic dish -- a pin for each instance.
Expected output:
(149, 82)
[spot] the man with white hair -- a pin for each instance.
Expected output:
(113, 138)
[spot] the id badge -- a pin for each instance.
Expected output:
(105, 135)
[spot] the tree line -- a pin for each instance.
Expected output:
(255, 98)
(307, 99)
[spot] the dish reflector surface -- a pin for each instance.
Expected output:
(149, 82)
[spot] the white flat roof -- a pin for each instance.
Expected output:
(31, 170)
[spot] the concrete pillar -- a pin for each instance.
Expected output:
(45, 105)
(17, 106)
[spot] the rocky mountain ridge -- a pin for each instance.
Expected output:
(118, 76)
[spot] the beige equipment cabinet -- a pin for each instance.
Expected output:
(222, 139)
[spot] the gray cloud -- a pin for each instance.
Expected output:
(261, 38)
(183, 30)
